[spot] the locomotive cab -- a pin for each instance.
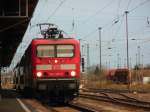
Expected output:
(56, 66)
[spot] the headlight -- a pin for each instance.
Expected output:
(56, 61)
(73, 73)
(39, 74)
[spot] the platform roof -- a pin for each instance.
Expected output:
(14, 19)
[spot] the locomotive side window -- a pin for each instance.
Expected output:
(65, 50)
(45, 51)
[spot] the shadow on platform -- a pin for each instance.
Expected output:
(9, 93)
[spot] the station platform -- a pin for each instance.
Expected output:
(10, 102)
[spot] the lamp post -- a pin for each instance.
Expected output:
(139, 55)
(100, 59)
(109, 57)
(127, 45)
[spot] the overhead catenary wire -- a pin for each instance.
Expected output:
(118, 9)
(52, 14)
(12, 26)
(110, 23)
(113, 22)
(128, 4)
(118, 29)
(57, 8)
(43, 4)
(55, 11)
(73, 24)
(97, 12)
(139, 5)
(73, 20)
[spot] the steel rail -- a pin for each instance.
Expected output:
(108, 98)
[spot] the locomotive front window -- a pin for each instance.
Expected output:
(65, 50)
(45, 51)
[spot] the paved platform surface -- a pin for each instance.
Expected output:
(9, 101)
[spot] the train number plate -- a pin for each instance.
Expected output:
(56, 67)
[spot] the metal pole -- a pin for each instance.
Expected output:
(100, 63)
(27, 14)
(19, 7)
(129, 75)
(142, 61)
(88, 57)
(118, 65)
(136, 68)
(139, 62)
(126, 13)
(136, 60)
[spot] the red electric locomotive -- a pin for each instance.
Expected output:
(51, 67)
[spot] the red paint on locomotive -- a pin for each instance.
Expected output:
(56, 66)
(50, 67)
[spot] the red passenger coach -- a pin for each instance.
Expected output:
(119, 75)
(51, 67)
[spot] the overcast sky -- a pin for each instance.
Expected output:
(87, 16)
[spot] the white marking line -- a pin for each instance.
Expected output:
(23, 105)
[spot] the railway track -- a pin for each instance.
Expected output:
(73, 106)
(111, 96)
(83, 107)
(38, 106)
